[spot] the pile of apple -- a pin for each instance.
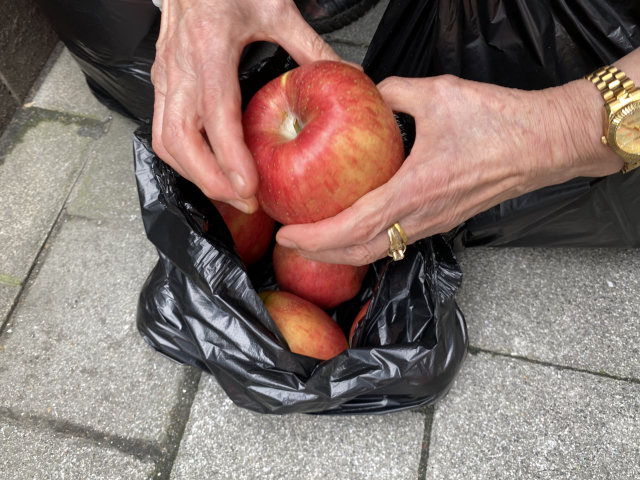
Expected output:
(322, 137)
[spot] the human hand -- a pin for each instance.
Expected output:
(476, 146)
(197, 124)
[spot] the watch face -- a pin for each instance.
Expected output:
(628, 132)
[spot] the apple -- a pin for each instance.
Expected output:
(359, 317)
(322, 137)
(252, 233)
(326, 285)
(307, 329)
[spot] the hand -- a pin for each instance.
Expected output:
(197, 127)
(476, 146)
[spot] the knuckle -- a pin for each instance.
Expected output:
(173, 131)
(211, 192)
(395, 84)
(210, 100)
(443, 84)
(365, 232)
(361, 255)
(309, 245)
(156, 144)
(319, 47)
(389, 83)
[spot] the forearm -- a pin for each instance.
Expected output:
(576, 129)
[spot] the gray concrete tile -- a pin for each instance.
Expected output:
(107, 188)
(362, 30)
(65, 90)
(35, 179)
(350, 53)
(74, 352)
(222, 441)
(573, 307)
(30, 454)
(508, 419)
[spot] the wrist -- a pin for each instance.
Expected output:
(577, 128)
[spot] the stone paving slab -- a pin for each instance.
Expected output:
(361, 31)
(65, 90)
(36, 177)
(506, 418)
(107, 188)
(29, 454)
(223, 441)
(573, 307)
(74, 352)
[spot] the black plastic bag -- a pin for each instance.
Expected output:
(526, 44)
(113, 41)
(200, 307)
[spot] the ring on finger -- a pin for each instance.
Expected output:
(397, 242)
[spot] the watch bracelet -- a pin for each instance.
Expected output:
(615, 87)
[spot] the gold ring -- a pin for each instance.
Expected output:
(397, 242)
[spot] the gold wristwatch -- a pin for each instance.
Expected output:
(620, 114)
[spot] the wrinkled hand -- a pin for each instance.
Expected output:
(197, 126)
(476, 146)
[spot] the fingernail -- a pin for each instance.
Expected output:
(287, 243)
(240, 205)
(237, 182)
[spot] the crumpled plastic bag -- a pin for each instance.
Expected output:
(200, 307)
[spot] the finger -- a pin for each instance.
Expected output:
(185, 143)
(222, 119)
(357, 66)
(301, 41)
(363, 254)
(156, 135)
(399, 93)
(356, 225)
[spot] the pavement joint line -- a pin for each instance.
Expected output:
(32, 274)
(602, 373)
(27, 118)
(179, 415)
(426, 442)
(56, 225)
(349, 43)
(140, 449)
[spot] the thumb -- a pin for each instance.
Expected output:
(399, 93)
(301, 41)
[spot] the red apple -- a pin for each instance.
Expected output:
(326, 285)
(252, 233)
(359, 317)
(307, 329)
(322, 137)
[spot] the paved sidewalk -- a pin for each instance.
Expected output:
(550, 388)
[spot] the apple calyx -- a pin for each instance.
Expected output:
(291, 126)
(296, 126)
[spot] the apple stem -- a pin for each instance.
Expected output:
(296, 126)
